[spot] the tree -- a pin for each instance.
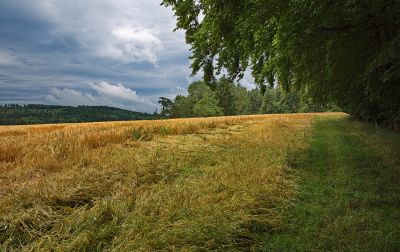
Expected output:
(183, 107)
(290, 102)
(271, 103)
(255, 101)
(225, 94)
(344, 51)
(203, 99)
(198, 90)
(241, 100)
(207, 106)
(166, 105)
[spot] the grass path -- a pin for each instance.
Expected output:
(349, 198)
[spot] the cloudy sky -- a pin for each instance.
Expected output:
(120, 53)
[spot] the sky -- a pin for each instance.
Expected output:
(120, 53)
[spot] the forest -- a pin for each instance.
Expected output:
(14, 114)
(224, 97)
(346, 52)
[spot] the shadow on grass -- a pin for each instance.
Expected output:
(349, 196)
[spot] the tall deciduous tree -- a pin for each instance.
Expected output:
(183, 106)
(206, 106)
(342, 51)
(225, 94)
(166, 106)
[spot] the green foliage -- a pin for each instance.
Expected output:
(272, 99)
(12, 114)
(242, 100)
(202, 101)
(255, 101)
(278, 101)
(198, 90)
(166, 105)
(344, 52)
(183, 107)
(225, 93)
(224, 97)
(206, 106)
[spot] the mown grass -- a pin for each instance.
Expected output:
(349, 198)
(195, 184)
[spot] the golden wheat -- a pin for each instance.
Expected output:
(187, 184)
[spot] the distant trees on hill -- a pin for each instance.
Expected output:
(15, 114)
(224, 97)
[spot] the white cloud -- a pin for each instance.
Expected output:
(101, 93)
(248, 80)
(6, 58)
(118, 91)
(71, 97)
(132, 43)
(121, 30)
(57, 47)
(178, 90)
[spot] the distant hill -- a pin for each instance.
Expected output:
(14, 114)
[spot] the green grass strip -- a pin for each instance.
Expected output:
(349, 197)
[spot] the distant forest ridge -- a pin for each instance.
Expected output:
(15, 114)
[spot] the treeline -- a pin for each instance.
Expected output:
(15, 114)
(224, 97)
(343, 51)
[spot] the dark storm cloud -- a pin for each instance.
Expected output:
(120, 53)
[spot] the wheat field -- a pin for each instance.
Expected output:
(183, 184)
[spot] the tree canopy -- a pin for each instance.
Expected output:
(12, 114)
(343, 51)
(228, 98)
